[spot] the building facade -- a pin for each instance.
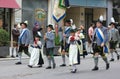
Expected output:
(83, 12)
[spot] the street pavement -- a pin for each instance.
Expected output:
(8, 70)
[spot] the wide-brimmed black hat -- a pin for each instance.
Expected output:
(23, 24)
(51, 26)
(68, 21)
(112, 23)
(100, 21)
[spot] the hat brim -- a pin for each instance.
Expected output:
(50, 27)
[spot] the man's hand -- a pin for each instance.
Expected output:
(35, 44)
(26, 45)
(45, 38)
(64, 35)
(102, 45)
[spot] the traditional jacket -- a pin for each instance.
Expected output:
(15, 34)
(96, 37)
(24, 37)
(114, 34)
(50, 39)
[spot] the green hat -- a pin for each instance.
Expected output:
(72, 31)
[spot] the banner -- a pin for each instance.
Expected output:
(64, 3)
(59, 12)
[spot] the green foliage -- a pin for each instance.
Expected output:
(4, 37)
(57, 42)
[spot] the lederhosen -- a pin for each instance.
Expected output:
(64, 44)
(49, 51)
(113, 44)
(97, 48)
(22, 47)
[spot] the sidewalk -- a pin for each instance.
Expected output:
(10, 58)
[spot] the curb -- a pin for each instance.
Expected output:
(8, 59)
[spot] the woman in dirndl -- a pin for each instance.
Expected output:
(73, 51)
(36, 59)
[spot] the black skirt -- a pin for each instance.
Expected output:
(41, 61)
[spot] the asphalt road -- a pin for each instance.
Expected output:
(8, 70)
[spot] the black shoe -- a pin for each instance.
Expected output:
(40, 66)
(118, 57)
(49, 67)
(54, 66)
(63, 65)
(16, 55)
(13, 56)
(74, 71)
(29, 66)
(112, 59)
(95, 69)
(107, 66)
(83, 56)
(18, 63)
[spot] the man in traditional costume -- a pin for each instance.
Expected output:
(15, 34)
(23, 42)
(114, 38)
(64, 43)
(100, 37)
(49, 40)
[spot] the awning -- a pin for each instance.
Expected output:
(89, 3)
(8, 4)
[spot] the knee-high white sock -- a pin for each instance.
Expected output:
(19, 56)
(112, 56)
(63, 58)
(96, 61)
(74, 67)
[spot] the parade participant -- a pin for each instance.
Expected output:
(73, 26)
(49, 39)
(36, 29)
(109, 37)
(36, 59)
(15, 34)
(100, 37)
(73, 51)
(23, 42)
(83, 40)
(79, 36)
(90, 34)
(64, 44)
(114, 38)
